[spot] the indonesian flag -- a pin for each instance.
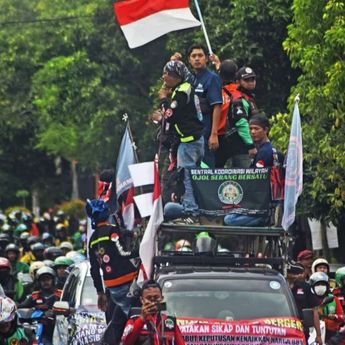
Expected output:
(147, 245)
(143, 21)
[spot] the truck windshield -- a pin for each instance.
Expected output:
(227, 299)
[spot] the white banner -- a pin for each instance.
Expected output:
(144, 203)
(142, 173)
(316, 236)
(332, 236)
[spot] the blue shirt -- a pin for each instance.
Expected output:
(208, 86)
(264, 156)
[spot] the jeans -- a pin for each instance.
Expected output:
(244, 220)
(119, 296)
(189, 156)
(123, 303)
(173, 210)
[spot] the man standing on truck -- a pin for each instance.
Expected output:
(150, 327)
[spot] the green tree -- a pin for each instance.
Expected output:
(316, 46)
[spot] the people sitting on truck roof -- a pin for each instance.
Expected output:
(266, 156)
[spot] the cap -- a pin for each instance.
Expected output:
(245, 73)
(305, 254)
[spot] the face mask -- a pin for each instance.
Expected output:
(320, 290)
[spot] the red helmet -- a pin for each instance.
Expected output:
(4, 263)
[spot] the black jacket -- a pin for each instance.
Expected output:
(107, 251)
(184, 113)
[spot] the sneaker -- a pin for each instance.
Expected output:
(188, 220)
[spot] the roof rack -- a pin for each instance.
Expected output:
(224, 229)
(176, 262)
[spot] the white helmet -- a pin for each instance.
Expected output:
(318, 262)
(318, 277)
(66, 245)
(7, 309)
(34, 267)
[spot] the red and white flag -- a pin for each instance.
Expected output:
(147, 245)
(143, 21)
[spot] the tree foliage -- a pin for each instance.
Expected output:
(68, 77)
(316, 46)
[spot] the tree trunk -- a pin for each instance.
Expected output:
(35, 202)
(75, 189)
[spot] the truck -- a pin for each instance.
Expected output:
(226, 286)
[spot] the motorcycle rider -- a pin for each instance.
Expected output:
(332, 312)
(150, 326)
(339, 291)
(10, 332)
(320, 265)
(44, 299)
(60, 265)
(9, 282)
(12, 253)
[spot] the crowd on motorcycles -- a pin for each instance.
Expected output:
(35, 254)
(311, 286)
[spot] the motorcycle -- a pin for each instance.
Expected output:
(33, 322)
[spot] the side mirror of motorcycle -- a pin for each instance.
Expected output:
(61, 308)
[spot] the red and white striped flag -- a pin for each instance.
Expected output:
(147, 245)
(143, 21)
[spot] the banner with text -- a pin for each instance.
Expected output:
(274, 331)
(222, 191)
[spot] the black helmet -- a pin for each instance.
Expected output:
(4, 238)
(12, 247)
(45, 271)
(32, 239)
(37, 247)
(51, 253)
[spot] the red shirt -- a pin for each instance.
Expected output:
(137, 331)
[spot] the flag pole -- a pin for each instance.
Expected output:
(125, 118)
(203, 27)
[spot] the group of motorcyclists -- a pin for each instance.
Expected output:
(34, 257)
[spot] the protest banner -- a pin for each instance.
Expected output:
(274, 331)
(221, 191)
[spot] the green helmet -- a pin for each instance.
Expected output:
(339, 276)
(62, 261)
(20, 229)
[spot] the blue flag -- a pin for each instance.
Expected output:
(124, 182)
(125, 157)
(294, 170)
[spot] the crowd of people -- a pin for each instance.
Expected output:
(35, 254)
(311, 287)
(209, 119)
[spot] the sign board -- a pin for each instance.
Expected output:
(274, 331)
(222, 191)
